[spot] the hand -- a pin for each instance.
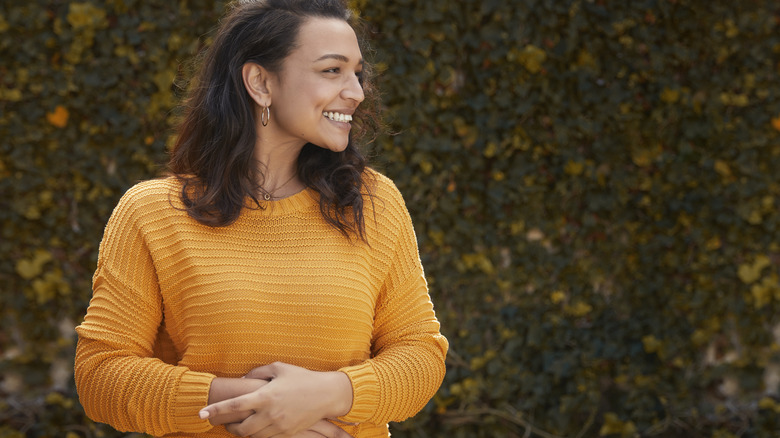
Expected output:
(223, 388)
(322, 429)
(292, 402)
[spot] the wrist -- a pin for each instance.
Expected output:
(340, 387)
(223, 388)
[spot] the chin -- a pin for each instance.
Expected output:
(334, 147)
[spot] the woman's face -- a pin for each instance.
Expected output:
(318, 88)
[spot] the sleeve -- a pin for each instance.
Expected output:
(408, 351)
(118, 379)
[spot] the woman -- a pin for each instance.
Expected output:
(272, 285)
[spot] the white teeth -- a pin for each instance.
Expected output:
(337, 117)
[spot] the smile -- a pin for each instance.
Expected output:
(337, 117)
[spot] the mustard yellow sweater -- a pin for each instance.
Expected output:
(177, 303)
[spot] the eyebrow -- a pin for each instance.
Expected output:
(337, 57)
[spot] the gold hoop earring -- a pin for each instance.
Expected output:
(265, 116)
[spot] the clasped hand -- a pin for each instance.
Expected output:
(294, 403)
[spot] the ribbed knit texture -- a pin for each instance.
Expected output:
(279, 284)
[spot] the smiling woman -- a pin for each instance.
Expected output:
(271, 285)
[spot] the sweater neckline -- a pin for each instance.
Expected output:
(280, 207)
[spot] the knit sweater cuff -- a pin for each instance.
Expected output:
(193, 395)
(365, 392)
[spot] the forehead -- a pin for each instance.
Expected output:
(326, 36)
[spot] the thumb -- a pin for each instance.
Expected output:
(265, 372)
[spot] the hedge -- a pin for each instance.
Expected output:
(594, 187)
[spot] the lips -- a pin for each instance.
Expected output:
(337, 117)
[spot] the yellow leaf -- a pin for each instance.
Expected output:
(437, 237)
(651, 344)
(490, 150)
(700, 337)
(478, 260)
(573, 168)
(644, 381)
(532, 58)
(54, 398)
(713, 244)
(58, 117)
(766, 403)
(578, 309)
(517, 227)
(645, 156)
(734, 99)
(776, 123)
(586, 60)
(11, 95)
(32, 267)
(613, 425)
(722, 168)
(761, 295)
(731, 29)
(163, 79)
(32, 212)
(749, 273)
(768, 203)
(86, 15)
(670, 96)
(557, 296)
(467, 132)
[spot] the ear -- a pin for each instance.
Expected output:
(256, 81)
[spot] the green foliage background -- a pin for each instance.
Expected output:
(594, 185)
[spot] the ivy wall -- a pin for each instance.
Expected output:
(595, 186)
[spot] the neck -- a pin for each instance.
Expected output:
(278, 166)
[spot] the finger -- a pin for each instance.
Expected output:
(265, 372)
(249, 427)
(308, 434)
(233, 417)
(256, 426)
(329, 430)
(246, 402)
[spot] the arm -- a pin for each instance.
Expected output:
(408, 363)
(118, 380)
(408, 352)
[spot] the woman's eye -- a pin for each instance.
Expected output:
(359, 75)
(332, 70)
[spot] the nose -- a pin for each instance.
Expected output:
(353, 90)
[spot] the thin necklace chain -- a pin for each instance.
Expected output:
(270, 195)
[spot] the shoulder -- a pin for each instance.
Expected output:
(153, 188)
(380, 187)
(151, 197)
(385, 204)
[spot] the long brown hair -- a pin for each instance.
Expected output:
(213, 154)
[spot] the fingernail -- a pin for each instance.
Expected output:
(204, 414)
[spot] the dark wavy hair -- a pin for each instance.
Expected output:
(213, 154)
